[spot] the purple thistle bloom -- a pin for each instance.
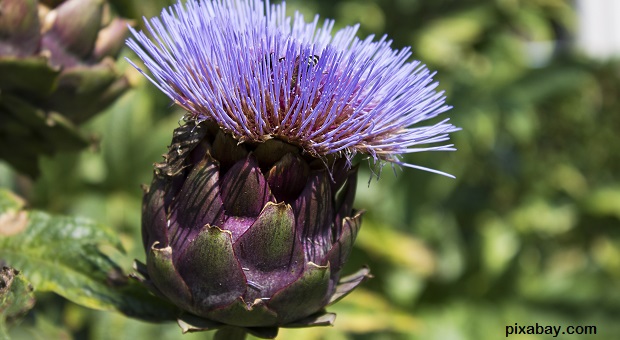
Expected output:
(262, 75)
(249, 219)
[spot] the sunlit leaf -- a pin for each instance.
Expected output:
(397, 247)
(604, 201)
(62, 254)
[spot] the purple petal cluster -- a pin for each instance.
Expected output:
(260, 74)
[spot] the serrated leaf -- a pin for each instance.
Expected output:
(61, 254)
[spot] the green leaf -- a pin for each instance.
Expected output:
(62, 254)
(16, 297)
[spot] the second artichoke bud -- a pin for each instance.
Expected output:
(249, 235)
(57, 70)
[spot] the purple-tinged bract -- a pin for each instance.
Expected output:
(261, 75)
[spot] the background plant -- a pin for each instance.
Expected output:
(526, 233)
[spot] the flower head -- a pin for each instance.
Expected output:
(249, 220)
(260, 75)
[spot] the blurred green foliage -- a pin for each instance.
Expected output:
(527, 233)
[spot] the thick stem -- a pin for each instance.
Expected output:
(230, 333)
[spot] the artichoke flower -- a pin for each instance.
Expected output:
(56, 71)
(249, 219)
(250, 235)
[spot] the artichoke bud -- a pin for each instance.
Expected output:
(249, 234)
(72, 29)
(56, 72)
(19, 27)
(249, 220)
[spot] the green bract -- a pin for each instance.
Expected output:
(56, 70)
(250, 235)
